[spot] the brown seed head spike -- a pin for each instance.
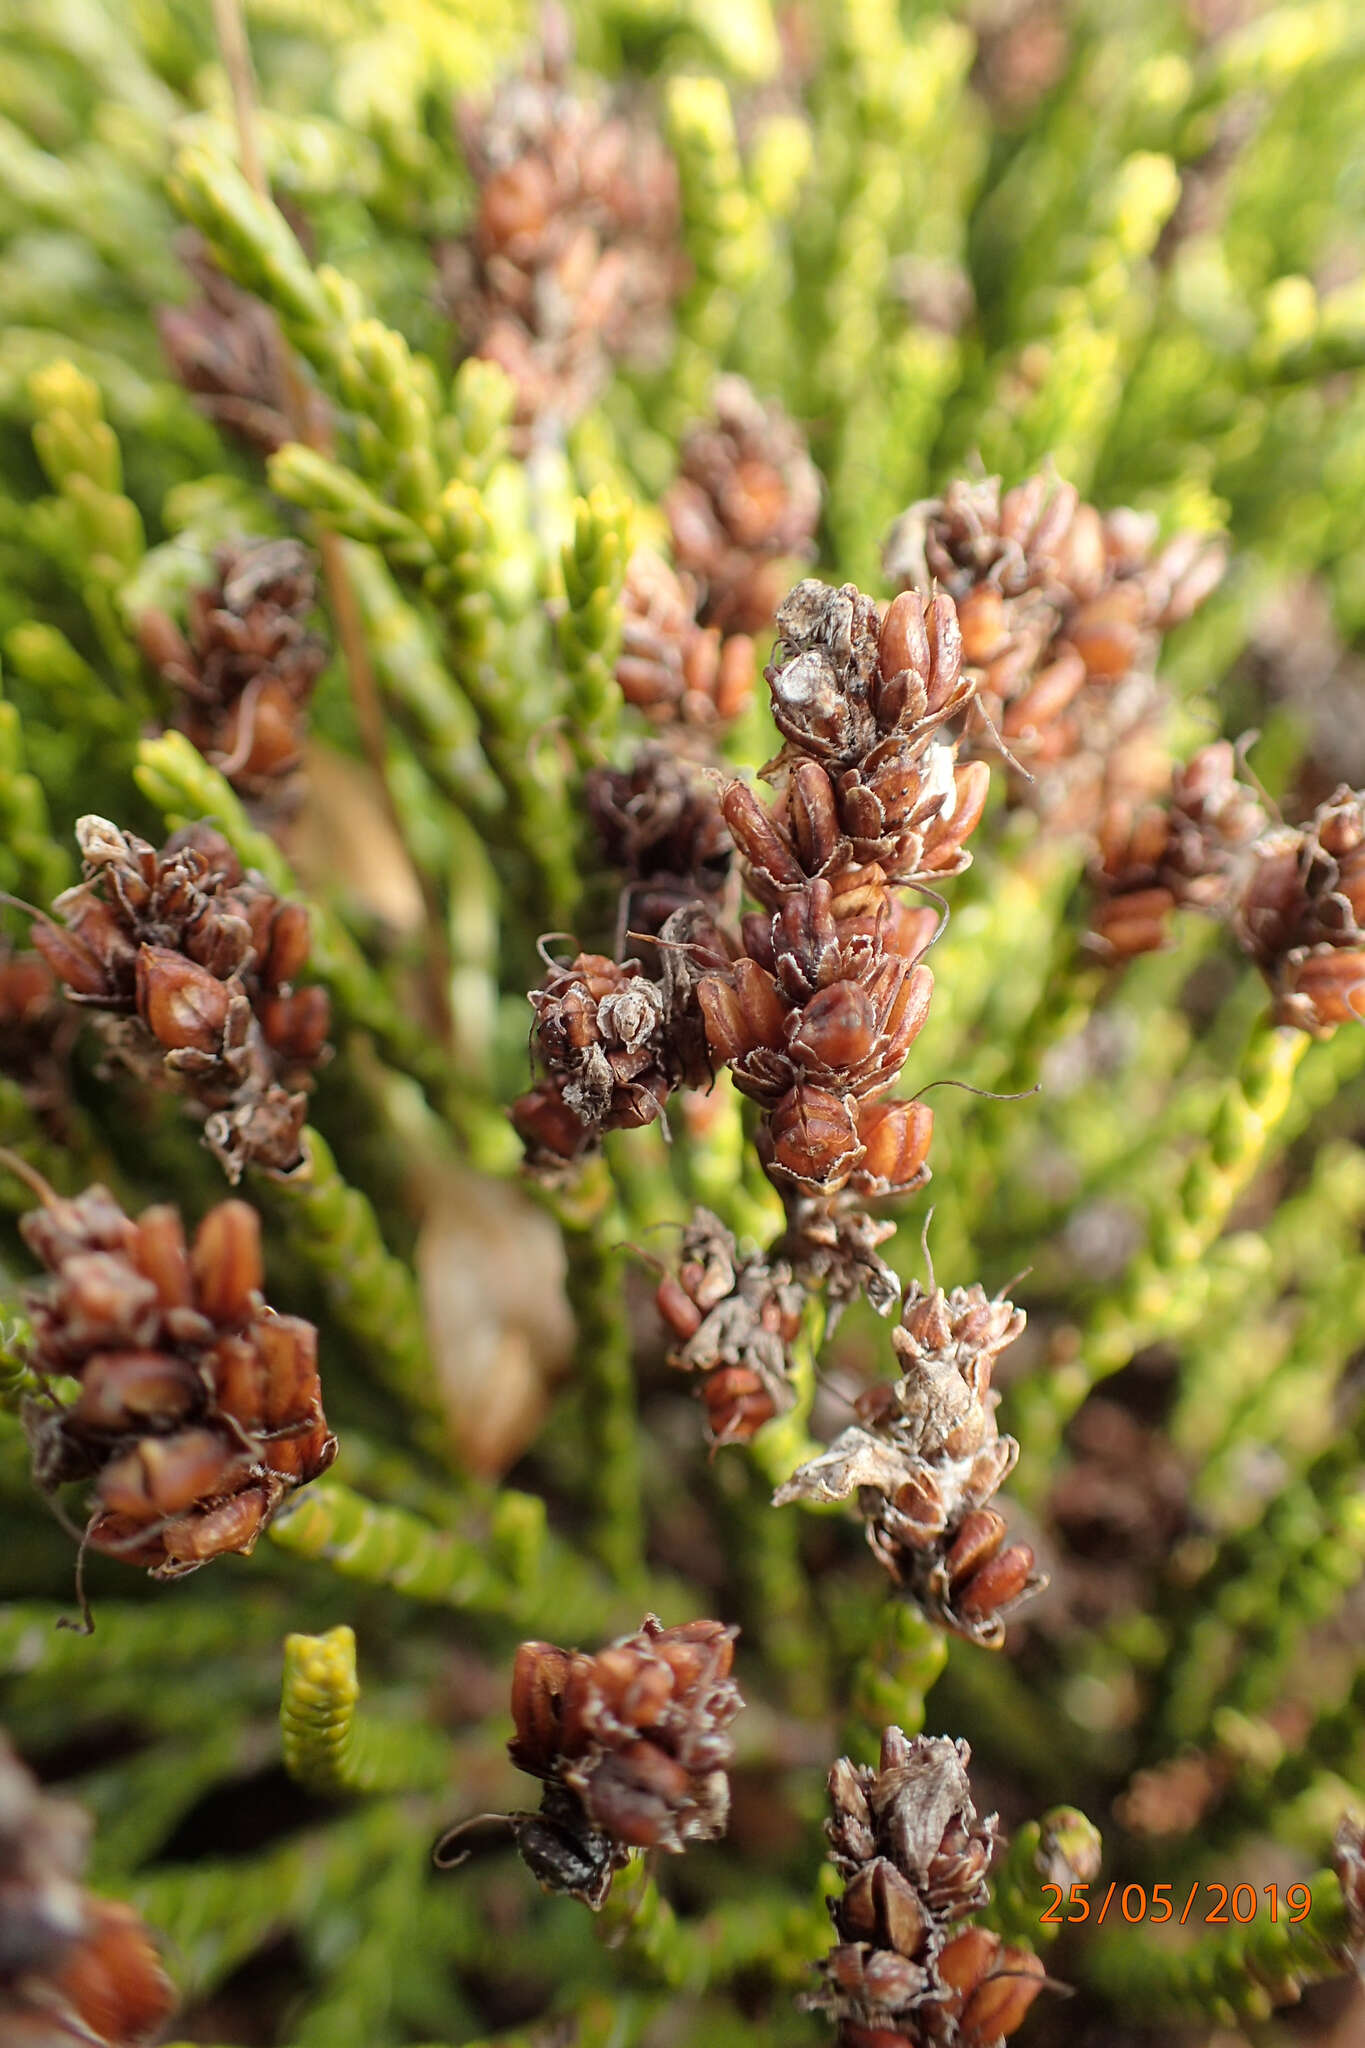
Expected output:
(1301, 915)
(631, 1747)
(914, 1857)
(735, 1319)
(76, 1971)
(199, 1409)
(243, 678)
(573, 258)
(924, 1460)
(194, 960)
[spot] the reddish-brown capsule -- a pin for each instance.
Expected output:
(814, 1140)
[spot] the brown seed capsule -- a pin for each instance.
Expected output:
(814, 1140)
(1000, 2002)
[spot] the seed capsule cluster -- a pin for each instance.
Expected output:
(1301, 915)
(685, 676)
(1293, 895)
(195, 963)
(914, 1857)
(743, 508)
(198, 1407)
(76, 1971)
(631, 1745)
(1061, 609)
(925, 1458)
(816, 1017)
(573, 259)
(734, 1319)
(243, 677)
(1188, 853)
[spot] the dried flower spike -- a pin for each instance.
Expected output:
(925, 1457)
(195, 961)
(744, 508)
(1190, 852)
(1061, 609)
(682, 675)
(573, 259)
(631, 1747)
(199, 1407)
(734, 1320)
(243, 677)
(1300, 915)
(914, 1857)
(76, 1971)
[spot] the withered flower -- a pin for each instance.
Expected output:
(1190, 852)
(1061, 609)
(681, 674)
(631, 1746)
(243, 677)
(76, 1971)
(734, 1319)
(926, 1456)
(914, 1857)
(744, 508)
(601, 1032)
(199, 1408)
(195, 963)
(1300, 915)
(574, 258)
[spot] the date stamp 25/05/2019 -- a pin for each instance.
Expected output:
(1237, 1904)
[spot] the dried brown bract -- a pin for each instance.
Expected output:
(199, 1407)
(744, 508)
(76, 1971)
(1190, 852)
(1300, 911)
(631, 1745)
(683, 675)
(914, 1857)
(573, 259)
(1061, 610)
(195, 961)
(924, 1459)
(734, 1319)
(243, 677)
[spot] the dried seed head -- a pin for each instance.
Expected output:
(192, 959)
(198, 1407)
(573, 259)
(924, 1459)
(631, 1746)
(914, 1857)
(73, 1968)
(681, 674)
(1299, 915)
(243, 677)
(744, 508)
(1061, 611)
(602, 1033)
(736, 1318)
